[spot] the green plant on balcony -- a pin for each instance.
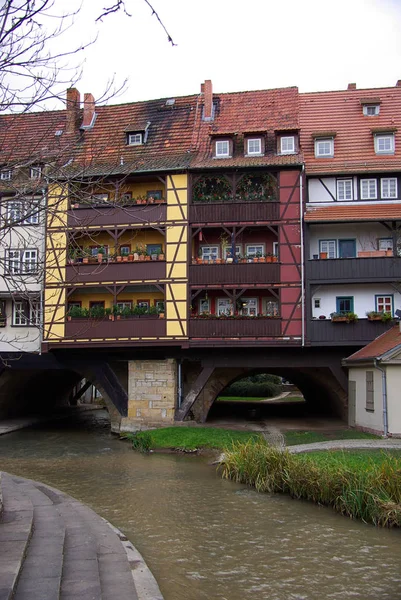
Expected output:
(77, 312)
(126, 312)
(211, 189)
(97, 312)
(344, 317)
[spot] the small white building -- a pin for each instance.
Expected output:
(374, 385)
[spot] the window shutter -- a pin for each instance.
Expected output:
(370, 401)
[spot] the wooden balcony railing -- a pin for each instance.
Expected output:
(335, 270)
(247, 273)
(358, 333)
(114, 271)
(234, 328)
(116, 215)
(231, 212)
(103, 329)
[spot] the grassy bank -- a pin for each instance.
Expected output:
(189, 438)
(364, 486)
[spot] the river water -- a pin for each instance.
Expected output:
(205, 538)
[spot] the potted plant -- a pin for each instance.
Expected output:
(374, 315)
(338, 317)
(162, 257)
(229, 259)
(386, 316)
(126, 312)
(351, 317)
(100, 254)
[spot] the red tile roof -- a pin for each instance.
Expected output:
(245, 112)
(365, 212)
(341, 111)
(381, 345)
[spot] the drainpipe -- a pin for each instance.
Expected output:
(384, 396)
(179, 383)
(301, 219)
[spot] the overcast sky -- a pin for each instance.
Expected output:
(239, 45)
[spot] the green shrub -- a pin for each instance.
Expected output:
(247, 389)
(141, 441)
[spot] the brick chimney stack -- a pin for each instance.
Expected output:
(352, 86)
(89, 112)
(73, 105)
(207, 90)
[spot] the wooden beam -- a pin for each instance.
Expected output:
(194, 392)
(80, 393)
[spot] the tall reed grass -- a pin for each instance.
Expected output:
(368, 491)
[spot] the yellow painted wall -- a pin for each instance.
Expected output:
(55, 256)
(133, 238)
(137, 189)
(108, 299)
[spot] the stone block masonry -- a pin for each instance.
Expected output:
(152, 394)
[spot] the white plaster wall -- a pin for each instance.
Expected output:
(394, 399)
(363, 418)
(22, 237)
(18, 339)
(365, 234)
(364, 298)
(318, 193)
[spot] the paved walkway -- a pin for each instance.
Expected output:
(368, 444)
(52, 547)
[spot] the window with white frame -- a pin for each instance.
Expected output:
(210, 252)
(384, 304)
(249, 307)
(122, 305)
(253, 250)
(5, 174)
(254, 146)
(275, 249)
(143, 304)
(384, 144)
(389, 187)
(324, 148)
(135, 139)
(35, 172)
(344, 189)
(26, 313)
(224, 307)
(328, 246)
(222, 148)
(22, 261)
(204, 305)
(23, 212)
(385, 243)
(287, 144)
(317, 302)
(368, 189)
(371, 110)
(228, 251)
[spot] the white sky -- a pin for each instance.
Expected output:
(239, 45)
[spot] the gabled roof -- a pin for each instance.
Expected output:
(342, 112)
(381, 346)
(337, 211)
(241, 113)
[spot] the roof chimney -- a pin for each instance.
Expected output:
(351, 86)
(73, 104)
(398, 84)
(89, 112)
(207, 90)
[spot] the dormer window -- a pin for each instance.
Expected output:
(5, 174)
(384, 143)
(134, 139)
(371, 110)
(35, 172)
(222, 148)
(324, 147)
(287, 144)
(254, 147)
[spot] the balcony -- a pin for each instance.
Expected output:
(350, 270)
(233, 212)
(120, 330)
(248, 273)
(129, 215)
(234, 328)
(116, 271)
(359, 333)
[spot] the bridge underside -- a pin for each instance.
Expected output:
(151, 388)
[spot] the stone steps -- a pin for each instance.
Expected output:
(52, 547)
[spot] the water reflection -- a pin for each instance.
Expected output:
(206, 538)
